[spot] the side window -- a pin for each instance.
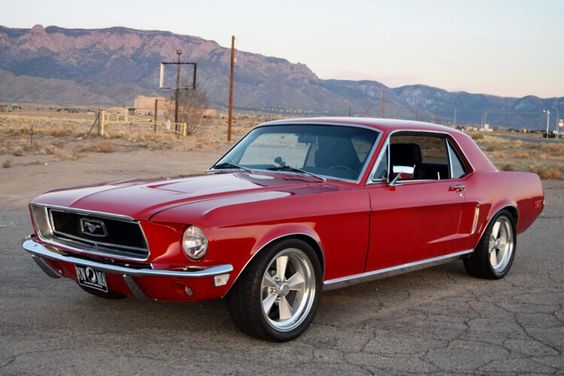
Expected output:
(456, 166)
(427, 153)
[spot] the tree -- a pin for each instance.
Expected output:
(192, 104)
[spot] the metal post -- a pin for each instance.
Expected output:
(177, 92)
(547, 112)
(101, 123)
(231, 77)
(416, 114)
(155, 116)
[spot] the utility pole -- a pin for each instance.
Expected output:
(454, 119)
(547, 112)
(382, 104)
(416, 114)
(231, 77)
(177, 92)
(484, 118)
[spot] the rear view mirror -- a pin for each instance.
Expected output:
(402, 172)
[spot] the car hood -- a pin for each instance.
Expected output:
(142, 199)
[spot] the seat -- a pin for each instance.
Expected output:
(405, 155)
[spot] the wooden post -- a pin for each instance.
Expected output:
(231, 77)
(101, 123)
(155, 116)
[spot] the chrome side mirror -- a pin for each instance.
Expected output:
(400, 171)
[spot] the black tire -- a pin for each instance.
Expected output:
(101, 294)
(482, 263)
(255, 287)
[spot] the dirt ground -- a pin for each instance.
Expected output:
(436, 321)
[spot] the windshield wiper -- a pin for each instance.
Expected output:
(228, 165)
(298, 170)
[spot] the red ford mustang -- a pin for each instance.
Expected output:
(294, 208)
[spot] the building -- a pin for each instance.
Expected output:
(146, 105)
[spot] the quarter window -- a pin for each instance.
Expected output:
(456, 166)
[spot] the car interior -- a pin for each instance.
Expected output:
(431, 156)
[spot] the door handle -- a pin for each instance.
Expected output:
(457, 188)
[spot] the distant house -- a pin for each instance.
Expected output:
(146, 105)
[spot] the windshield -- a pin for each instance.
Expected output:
(325, 150)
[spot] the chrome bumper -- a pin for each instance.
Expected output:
(40, 252)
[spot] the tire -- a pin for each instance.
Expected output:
(101, 294)
(277, 296)
(495, 252)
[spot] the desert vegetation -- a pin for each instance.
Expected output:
(544, 159)
(40, 136)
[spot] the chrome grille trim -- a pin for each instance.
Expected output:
(47, 233)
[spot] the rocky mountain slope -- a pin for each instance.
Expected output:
(112, 66)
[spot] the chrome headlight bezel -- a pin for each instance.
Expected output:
(194, 243)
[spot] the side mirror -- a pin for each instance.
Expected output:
(402, 172)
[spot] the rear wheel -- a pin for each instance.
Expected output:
(494, 255)
(277, 296)
(101, 294)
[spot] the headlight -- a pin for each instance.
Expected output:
(194, 243)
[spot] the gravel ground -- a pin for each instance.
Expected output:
(438, 321)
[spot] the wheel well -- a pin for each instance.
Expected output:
(514, 213)
(311, 242)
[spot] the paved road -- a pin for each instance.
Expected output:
(438, 320)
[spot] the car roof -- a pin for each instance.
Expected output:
(376, 123)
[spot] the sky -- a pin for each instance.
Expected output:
(501, 47)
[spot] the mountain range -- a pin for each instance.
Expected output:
(111, 66)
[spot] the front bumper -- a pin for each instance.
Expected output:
(46, 256)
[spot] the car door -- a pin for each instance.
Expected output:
(423, 216)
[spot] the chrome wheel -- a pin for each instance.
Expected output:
(501, 244)
(288, 289)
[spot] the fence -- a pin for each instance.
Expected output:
(104, 119)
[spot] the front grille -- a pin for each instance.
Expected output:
(102, 235)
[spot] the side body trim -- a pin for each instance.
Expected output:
(336, 283)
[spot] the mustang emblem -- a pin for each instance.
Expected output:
(93, 227)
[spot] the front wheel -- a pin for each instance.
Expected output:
(494, 255)
(277, 296)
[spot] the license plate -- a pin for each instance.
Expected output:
(89, 277)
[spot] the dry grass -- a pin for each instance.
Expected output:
(103, 146)
(545, 159)
(60, 135)
(60, 153)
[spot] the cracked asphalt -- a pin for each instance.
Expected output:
(435, 321)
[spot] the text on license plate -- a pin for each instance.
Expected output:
(89, 277)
